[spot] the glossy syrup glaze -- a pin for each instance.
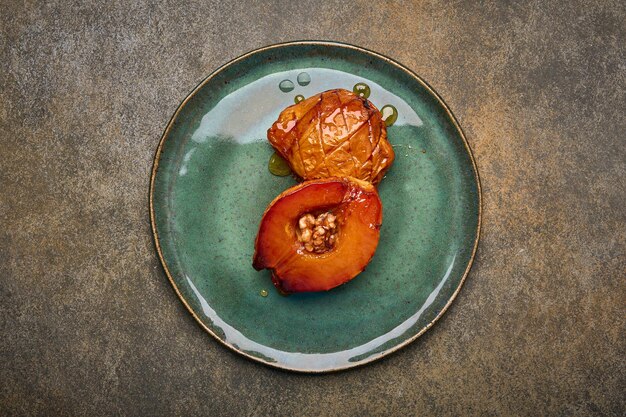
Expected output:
(334, 133)
(278, 166)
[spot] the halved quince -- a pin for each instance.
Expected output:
(319, 234)
(334, 133)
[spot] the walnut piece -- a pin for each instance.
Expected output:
(317, 234)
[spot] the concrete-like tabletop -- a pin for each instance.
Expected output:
(89, 324)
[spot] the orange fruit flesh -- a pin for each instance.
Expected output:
(358, 210)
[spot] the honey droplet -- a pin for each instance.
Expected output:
(263, 293)
(361, 89)
(286, 86)
(278, 166)
(297, 99)
(390, 114)
(304, 78)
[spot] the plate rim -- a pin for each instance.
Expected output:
(155, 234)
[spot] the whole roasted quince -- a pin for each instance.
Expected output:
(334, 133)
(319, 234)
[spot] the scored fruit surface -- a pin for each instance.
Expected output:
(334, 133)
(319, 234)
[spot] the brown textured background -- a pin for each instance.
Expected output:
(88, 322)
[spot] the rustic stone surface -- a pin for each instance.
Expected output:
(90, 325)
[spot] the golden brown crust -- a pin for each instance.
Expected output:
(334, 133)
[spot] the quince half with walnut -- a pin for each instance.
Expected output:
(319, 234)
(334, 133)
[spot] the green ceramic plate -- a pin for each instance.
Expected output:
(210, 185)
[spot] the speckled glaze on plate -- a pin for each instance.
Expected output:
(210, 185)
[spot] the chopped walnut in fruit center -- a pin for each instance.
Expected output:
(317, 234)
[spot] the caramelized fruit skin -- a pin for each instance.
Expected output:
(334, 133)
(358, 210)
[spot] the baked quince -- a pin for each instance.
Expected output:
(319, 234)
(334, 133)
